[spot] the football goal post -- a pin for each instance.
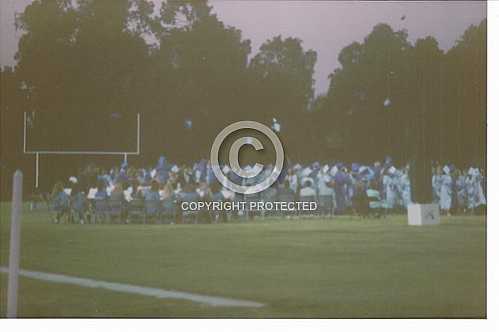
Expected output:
(40, 152)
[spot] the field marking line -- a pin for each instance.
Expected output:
(133, 289)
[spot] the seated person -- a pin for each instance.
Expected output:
(101, 191)
(204, 191)
(117, 202)
(216, 192)
(168, 201)
(137, 193)
(285, 193)
(117, 194)
(152, 194)
(307, 190)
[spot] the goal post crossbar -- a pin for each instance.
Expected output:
(85, 152)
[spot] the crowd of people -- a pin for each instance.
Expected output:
(337, 187)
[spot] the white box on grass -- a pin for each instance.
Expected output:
(423, 214)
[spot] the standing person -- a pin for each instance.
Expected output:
(168, 202)
(360, 200)
(377, 177)
(474, 190)
(292, 179)
(405, 187)
(78, 204)
(162, 170)
(397, 182)
(436, 182)
(325, 191)
(205, 195)
(350, 187)
(210, 176)
(60, 202)
(446, 188)
(479, 196)
(390, 188)
(152, 201)
(470, 191)
(117, 202)
(483, 183)
(341, 179)
(461, 191)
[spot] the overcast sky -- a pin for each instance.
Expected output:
(325, 26)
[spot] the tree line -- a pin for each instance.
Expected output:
(190, 75)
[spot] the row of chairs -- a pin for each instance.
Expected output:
(145, 211)
(371, 204)
(325, 204)
(138, 210)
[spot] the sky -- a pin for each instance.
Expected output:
(324, 26)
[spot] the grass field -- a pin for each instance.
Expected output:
(345, 267)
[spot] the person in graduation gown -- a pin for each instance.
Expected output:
(445, 191)
(210, 176)
(162, 168)
(461, 191)
(470, 190)
(436, 181)
(404, 187)
(350, 187)
(326, 192)
(341, 179)
(475, 193)
(292, 178)
(480, 188)
(60, 202)
(307, 190)
(390, 187)
(376, 181)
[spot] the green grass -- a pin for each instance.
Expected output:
(344, 267)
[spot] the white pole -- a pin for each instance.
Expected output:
(138, 133)
(125, 158)
(15, 237)
(24, 137)
(37, 169)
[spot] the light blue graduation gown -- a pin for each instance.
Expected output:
(389, 185)
(461, 191)
(445, 192)
(436, 181)
(406, 189)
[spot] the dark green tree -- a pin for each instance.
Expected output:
(282, 87)
(366, 95)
